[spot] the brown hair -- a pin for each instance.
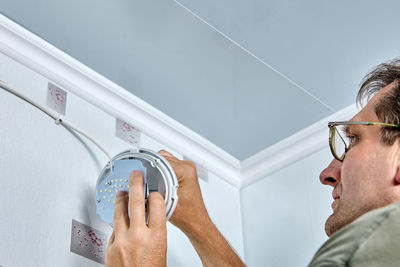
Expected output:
(387, 108)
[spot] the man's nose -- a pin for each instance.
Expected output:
(331, 175)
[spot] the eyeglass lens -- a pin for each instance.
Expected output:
(339, 141)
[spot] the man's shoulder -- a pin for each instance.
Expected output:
(351, 245)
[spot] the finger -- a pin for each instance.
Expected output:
(112, 238)
(165, 153)
(120, 220)
(136, 199)
(171, 159)
(157, 214)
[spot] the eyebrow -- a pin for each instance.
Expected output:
(347, 129)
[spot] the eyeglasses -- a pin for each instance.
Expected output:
(340, 140)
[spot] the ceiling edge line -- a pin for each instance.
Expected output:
(33, 52)
(258, 59)
(291, 149)
(40, 56)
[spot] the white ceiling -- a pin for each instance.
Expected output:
(243, 74)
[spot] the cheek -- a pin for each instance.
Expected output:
(385, 167)
(356, 175)
(365, 173)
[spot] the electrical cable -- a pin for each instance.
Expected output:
(53, 115)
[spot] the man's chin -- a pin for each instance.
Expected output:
(340, 217)
(328, 225)
(334, 223)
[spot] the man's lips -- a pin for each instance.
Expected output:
(335, 202)
(335, 195)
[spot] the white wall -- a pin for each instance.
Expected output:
(48, 177)
(284, 213)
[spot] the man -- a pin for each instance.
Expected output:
(364, 175)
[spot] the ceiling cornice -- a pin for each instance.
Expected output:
(291, 149)
(40, 56)
(60, 68)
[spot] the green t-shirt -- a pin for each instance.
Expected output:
(371, 240)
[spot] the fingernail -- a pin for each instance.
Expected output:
(137, 173)
(121, 194)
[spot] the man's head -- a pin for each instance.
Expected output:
(369, 176)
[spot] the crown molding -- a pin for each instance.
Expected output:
(291, 149)
(40, 56)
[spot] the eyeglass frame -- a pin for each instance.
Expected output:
(332, 128)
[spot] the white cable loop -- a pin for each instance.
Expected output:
(57, 117)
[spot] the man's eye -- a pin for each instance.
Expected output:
(353, 139)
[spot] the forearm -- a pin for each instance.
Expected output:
(191, 217)
(210, 245)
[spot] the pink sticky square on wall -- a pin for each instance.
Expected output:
(56, 98)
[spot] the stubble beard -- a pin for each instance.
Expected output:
(337, 220)
(346, 214)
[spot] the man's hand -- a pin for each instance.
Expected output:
(133, 243)
(191, 217)
(190, 214)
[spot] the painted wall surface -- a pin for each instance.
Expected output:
(284, 214)
(48, 176)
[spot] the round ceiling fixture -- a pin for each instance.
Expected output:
(158, 176)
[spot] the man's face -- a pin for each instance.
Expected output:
(365, 179)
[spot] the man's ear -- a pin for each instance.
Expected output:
(397, 176)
